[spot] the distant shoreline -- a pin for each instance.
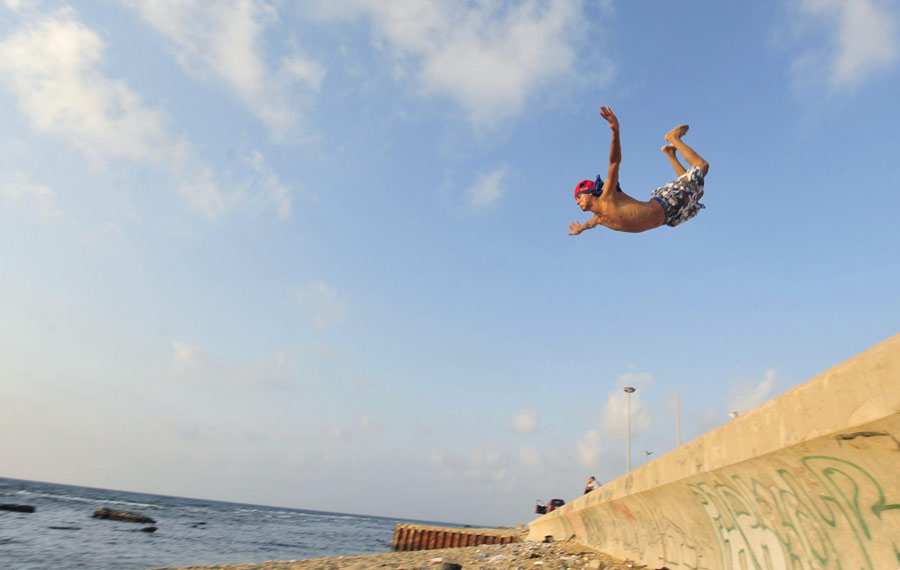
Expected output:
(236, 503)
(190, 532)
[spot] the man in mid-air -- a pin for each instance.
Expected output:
(672, 204)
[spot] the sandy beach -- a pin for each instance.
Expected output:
(523, 555)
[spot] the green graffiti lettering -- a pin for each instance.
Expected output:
(791, 522)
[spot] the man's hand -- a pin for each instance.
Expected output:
(576, 228)
(607, 114)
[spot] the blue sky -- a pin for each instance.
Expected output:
(316, 255)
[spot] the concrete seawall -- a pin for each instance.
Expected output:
(810, 479)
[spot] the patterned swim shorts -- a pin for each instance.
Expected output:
(679, 198)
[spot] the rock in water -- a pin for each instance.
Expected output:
(124, 516)
(65, 527)
(17, 508)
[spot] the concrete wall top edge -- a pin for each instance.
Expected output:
(857, 391)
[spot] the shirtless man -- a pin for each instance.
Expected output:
(672, 204)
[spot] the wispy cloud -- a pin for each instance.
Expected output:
(488, 190)
(36, 197)
(590, 447)
(489, 56)
(365, 426)
(337, 432)
(862, 40)
(526, 421)
(321, 303)
(226, 39)
(744, 395)
(267, 186)
(530, 456)
(487, 464)
(190, 363)
(52, 66)
(53, 63)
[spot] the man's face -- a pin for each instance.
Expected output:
(582, 200)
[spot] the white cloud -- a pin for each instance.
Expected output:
(227, 38)
(184, 357)
(489, 56)
(198, 186)
(863, 40)
(190, 363)
(488, 189)
(20, 5)
(271, 189)
(51, 64)
(101, 231)
(37, 197)
(322, 304)
(615, 413)
(526, 421)
(744, 395)
(530, 456)
(338, 432)
(306, 70)
(365, 426)
(361, 379)
(487, 464)
(590, 447)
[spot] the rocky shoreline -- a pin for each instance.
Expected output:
(515, 556)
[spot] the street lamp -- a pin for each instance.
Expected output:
(629, 390)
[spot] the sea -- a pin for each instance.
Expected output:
(190, 532)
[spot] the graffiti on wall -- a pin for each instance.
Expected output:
(837, 512)
(637, 535)
(681, 548)
(652, 539)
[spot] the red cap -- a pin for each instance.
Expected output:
(585, 186)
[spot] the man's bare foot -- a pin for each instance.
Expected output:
(669, 149)
(676, 133)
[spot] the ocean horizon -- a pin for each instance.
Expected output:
(62, 533)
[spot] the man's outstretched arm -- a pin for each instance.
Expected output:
(577, 227)
(615, 154)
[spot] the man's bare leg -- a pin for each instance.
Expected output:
(694, 159)
(669, 149)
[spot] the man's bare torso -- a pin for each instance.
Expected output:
(625, 214)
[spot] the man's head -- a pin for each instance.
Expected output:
(585, 192)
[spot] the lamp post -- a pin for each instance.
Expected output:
(629, 390)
